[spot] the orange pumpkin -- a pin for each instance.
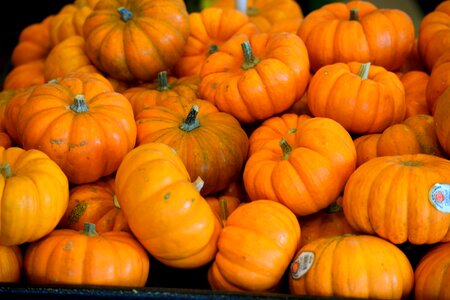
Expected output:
(254, 78)
(25, 75)
(11, 260)
(372, 267)
(164, 209)
(211, 144)
(207, 34)
(361, 97)
(223, 206)
(322, 155)
(34, 195)
(67, 256)
(439, 80)
(136, 39)
(432, 274)
(397, 198)
(253, 256)
(89, 130)
(442, 120)
(366, 147)
(94, 203)
(357, 31)
(415, 84)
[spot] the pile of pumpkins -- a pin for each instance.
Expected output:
(269, 146)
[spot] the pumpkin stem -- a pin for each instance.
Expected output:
(212, 49)
(333, 208)
(241, 5)
(412, 163)
(125, 14)
(253, 11)
(198, 183)
(89, 229)
(287, 149)
(364, 71)
(79, 104)
(162, 81)
(354, 14)
(250, 60)
(191, 122)
(5, 170)
(116, 202)
(223, 208)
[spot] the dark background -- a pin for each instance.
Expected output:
(16, 15)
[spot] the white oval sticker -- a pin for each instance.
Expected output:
(439, 196)
(301, 264)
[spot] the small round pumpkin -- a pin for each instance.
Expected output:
(351, 266)
(442, 120)
(415, 83)
(67, 256)
(11, 262)
(25, 75)
(253, 256)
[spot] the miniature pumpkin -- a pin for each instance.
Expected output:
(67, 256)
(357, 31)
(372, 267)
(361, 97)
(253, 256)
(25, 75)
(34, 195)
(89, 130)
(366, 147)
(94, 203)
(11, 260)
(211, 144)
(397, 198)
(415, 84)
(136, 39)
(439, 80)
(254, 78)
(164, 209)
(442, 120)
(322, 155)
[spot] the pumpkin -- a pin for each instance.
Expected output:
(164, 209)
(34, 195)
(253, 256)
(397, 198)
(211, 144)
(322, 154)
(33, 43)
(161, 90)
(67, 256)
(357, 31)
(415, 84)
(363, 98)
(327, 222)
(434, 34)
(266, 13)
(209, 29)
(351, 266)
(94, 203)
(5, 97)
(134, 40)
(11, 260)
(25, 75)
(223, 206)
(89, 130)
(366, 147)
(413, 62)
(254, 78)
(442, 120)
(432, 274)
(439, 80)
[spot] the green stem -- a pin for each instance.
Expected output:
(333, 208)
(5, 170)
(79, 104)
(253, 11)
(125, 14)
(89, 229)
(287, 149)
(198, 183)
(250, 61)
(213, 49)
(162, 81)
(191, 122)
(364, 71)
(223, 209)
(354, 14)
(116, 202)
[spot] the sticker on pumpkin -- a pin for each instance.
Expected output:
(301, 264)
(439, 196)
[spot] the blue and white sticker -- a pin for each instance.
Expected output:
(439, 196)
(301, 264)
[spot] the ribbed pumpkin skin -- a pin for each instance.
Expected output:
(432, 274)
(388, 196)
(354, 266)
(415, 83)
(68, 256)
(439, 80)
(253, 256)
(214, 151)
(385, 37)
(33, 199)
(137, 49)
(362, 106)
(11, 262)
(323, 154)
(442, 120)
(164, 209)
(25, 75)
